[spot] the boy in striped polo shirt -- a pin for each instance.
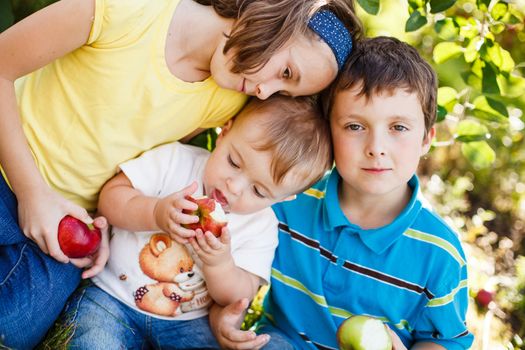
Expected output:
(363, 240)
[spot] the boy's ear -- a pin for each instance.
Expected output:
(225, 129)
(427, 142)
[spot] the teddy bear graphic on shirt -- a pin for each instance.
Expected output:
(180, 287)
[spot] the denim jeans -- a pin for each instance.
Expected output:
(278, 340)
(33, 286)
(100, 321)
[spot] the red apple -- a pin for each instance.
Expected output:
(211, 216)
(484, 297)
(76, 239)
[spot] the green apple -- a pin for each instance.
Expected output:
(361, 332)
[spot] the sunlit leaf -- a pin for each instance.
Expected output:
(415, 21)
(499, 10)
(513, 86)
(500, 57)
(440, 5)
(471, 52)
(370, 6)
(468, 27)
(491, 105)
(483, 4)
(473, 128)
(447, 29)
(489, 84)
(447, 97)
(479, 154)
(497, 28)
(445, 51)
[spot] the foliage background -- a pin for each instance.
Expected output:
(474, 175)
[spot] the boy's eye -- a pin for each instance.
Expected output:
(287, 74)
(400, 128)
(257, 192)
(232, 163)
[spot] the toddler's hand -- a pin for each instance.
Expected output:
(169, 217)
(211, 250)
(39, 215)
(96, 262)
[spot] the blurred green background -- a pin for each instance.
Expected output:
(474, 175)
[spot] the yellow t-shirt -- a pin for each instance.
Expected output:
(112, 99)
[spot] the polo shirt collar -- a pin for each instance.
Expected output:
(379, 239)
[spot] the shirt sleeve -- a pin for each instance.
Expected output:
(149, 171)
(443, 319)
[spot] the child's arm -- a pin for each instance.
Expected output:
(25, 47)
(397, 344)
(128, 208)
(226, 282)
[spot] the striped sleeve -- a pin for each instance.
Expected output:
(442, 320)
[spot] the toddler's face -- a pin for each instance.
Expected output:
(239, 177)
(378, 142)
(303, 67)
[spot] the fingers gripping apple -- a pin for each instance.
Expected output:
(76, 239)
(211, 216)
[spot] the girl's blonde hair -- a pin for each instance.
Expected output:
(263, 27)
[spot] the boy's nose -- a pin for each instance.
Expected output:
(236, 185)
(375, 147)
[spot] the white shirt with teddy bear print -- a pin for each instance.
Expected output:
(154, 274)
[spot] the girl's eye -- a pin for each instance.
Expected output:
(257, 192)
(354, 127)
(232, 163)
(287, 74)
(400, 128)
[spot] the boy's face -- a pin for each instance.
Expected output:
(378, 142)
(238, 176)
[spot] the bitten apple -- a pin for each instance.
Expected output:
(360, 332)
(211, 216)
(76, 239)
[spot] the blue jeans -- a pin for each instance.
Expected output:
(278, 340)
(103, 322)
(33, 286)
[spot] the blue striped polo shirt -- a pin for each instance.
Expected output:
(410, 273)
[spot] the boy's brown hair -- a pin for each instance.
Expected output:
(383, 64)
(295, 132)
(263, 27)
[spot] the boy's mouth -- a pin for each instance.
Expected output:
(219, 197)
(376, 170)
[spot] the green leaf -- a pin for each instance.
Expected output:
(489, 83)
(440, 5)
(441, 113)
(471, 130)
(499, 10)
(468, 27)
(491, 106)
(370, 6)
(497, 28)
(445, 51)
(479, 154)
(471, 52)
(501, 58)
(447, 97)
(447, 29)
(483, 4)
(415, 21)
(513, 86)
(6, 15)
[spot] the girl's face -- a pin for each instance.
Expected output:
(303, 67)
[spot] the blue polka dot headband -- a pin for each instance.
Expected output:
(325, 24)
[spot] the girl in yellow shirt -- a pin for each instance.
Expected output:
(88, 84)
